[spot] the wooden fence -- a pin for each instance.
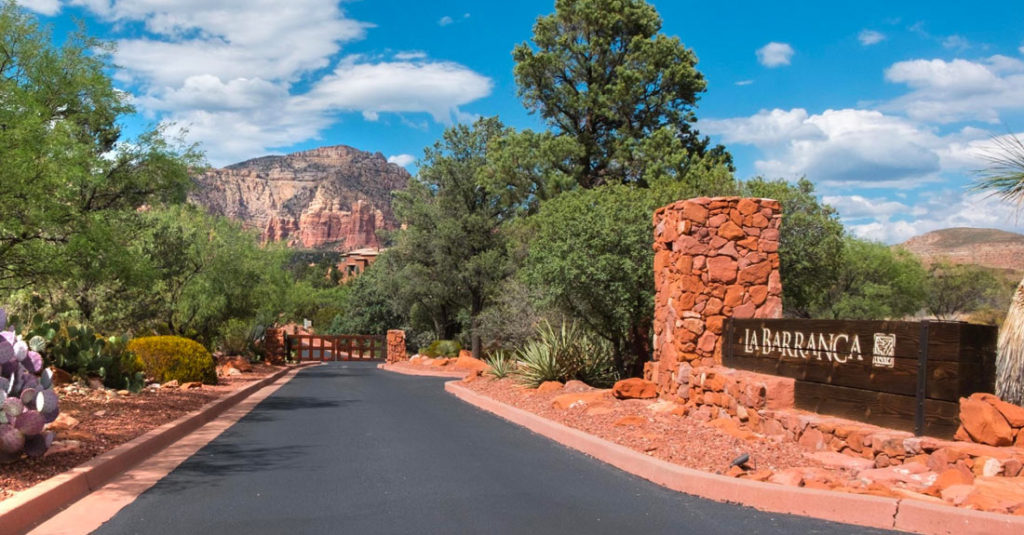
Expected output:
(902, 375)
(340, 347)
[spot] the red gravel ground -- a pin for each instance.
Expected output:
(107, 420)
(685, 440)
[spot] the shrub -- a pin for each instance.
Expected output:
(443, 348)
(238, 337)
(126, 370)
(501, 364)
(564, 354)
(173, 358)
(27, 399)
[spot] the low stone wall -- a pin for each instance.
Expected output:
(743, 403)
(396, 346)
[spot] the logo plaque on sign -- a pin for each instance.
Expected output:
(884, 351)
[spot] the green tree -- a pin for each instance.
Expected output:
(1004, 177)
(874, 282)
(452, 253)
(67, 173)
(810, 243)
(954, 289)
(589, 255)
(621, 93)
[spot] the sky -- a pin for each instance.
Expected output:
(888, 107)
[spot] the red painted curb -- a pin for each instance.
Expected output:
(934, 519)
(26, 509)
(423, 373)
(862, 510)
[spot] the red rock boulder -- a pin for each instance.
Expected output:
(635, 388)
(984, 423)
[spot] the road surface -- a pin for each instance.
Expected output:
(347, 448)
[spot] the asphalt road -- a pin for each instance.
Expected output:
(347, 448)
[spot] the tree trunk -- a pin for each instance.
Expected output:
(1010, 355)
(476, 306)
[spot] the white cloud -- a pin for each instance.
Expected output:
(950, 91)
(857, 206)
(870, 37)
(955, 42)
(938, 210)
(839, 147)
(744, 82)
(437, 88)
(445, 20)
(227, 70)
(43, 7)
(775, 54)
(402, 159)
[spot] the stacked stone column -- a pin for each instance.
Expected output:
(396, 346)
(714, 258)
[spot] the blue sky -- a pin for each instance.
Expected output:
(885, 106)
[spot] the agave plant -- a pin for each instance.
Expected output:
(28, 399)
(501, 364)
(565, 353)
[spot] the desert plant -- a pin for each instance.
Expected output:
(28, 400)
(1004, 178)
(443, 348)
(538, 362)
(238, 337)
(173, 358)
(566, 353)
(126, 368)
(500, 364)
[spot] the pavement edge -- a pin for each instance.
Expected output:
(452, 374)
(34, 505)
(862, 510)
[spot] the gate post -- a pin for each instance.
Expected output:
(396, 346)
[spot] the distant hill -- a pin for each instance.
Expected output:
(326, 199)
(987, 247)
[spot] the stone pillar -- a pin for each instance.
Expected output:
(396, 346)
(714, 258)
(273, 345)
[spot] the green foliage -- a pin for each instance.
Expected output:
(237, 336)
(452, 253)
(875, 282)
(367, 301)
(589, 254)
(955, 289)
(501, 364)
(514, 316)
(621, 93)
(810, 243)
(61, 149)
(564, 354)
(443, 348)
(173, 358)
(127, 370)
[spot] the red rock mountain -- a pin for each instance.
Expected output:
(984, 247)
(330, 198)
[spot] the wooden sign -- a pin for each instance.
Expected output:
(903, 375)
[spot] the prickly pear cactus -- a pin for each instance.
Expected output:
(28, 400)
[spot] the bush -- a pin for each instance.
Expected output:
(238, 337)
(501, 364)
(126, 370)
(173, 358)
(443, 348)
(565, 354)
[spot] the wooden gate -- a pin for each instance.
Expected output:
(336, 347)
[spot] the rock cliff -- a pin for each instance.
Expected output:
(333, 198)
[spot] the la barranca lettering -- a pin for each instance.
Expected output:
(838, 347)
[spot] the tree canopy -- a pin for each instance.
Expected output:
(604, 78)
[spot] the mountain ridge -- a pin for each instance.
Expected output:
(328, 198)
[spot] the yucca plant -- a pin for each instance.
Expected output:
(1004, 178)
(501, 364)
(566, 353)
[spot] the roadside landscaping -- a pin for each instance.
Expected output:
(96, 420)
(690, 436)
